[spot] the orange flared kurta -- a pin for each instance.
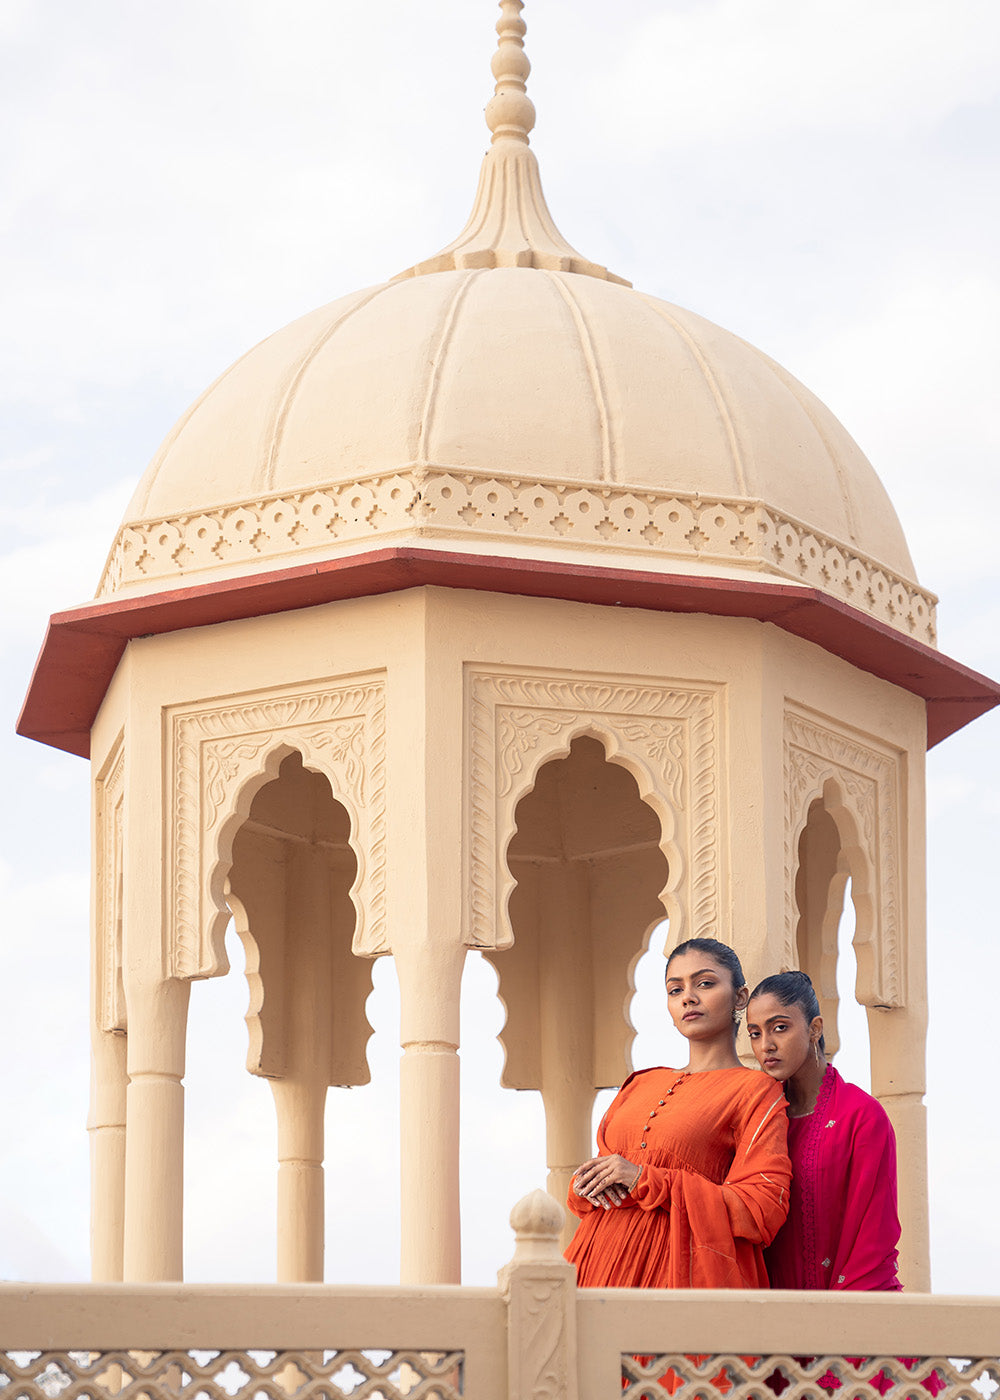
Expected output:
(713, 1190)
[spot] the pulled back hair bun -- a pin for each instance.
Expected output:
(792, 989)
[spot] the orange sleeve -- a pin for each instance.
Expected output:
(579, 1205)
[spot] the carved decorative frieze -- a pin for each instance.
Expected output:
(861, 786)
(653, 527)
(667, 736)
(110, 808)
(220, 755)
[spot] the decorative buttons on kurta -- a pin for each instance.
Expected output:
(652, 1112)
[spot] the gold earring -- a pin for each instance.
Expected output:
(815, 1046)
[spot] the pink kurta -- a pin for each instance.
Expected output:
(713, 1187)
(842, 1227)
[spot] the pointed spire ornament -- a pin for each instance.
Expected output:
(510, 112)
(510, 224)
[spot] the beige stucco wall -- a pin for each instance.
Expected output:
(431, 712)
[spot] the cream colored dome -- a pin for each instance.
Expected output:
(509, 397)
(519, 373)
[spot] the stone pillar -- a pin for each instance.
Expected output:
(539, 1288)
(299, 1105)
(430, 979)
(566, 999)
(898, 1051)
(300, 1095)
(106, 1125)
(154, 1150)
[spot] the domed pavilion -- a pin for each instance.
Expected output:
(499, 606)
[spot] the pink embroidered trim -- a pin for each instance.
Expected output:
(805, 1177)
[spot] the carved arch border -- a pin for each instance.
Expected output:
(667, 735)
(869, 782)
(219, 756)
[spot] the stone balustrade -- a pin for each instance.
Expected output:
(534, 1337)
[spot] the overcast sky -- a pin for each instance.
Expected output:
(177, 181)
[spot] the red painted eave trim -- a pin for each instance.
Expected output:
(83, 646)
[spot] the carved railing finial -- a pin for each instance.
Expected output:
(539, 1287)
(537, 1220)
(510, 112)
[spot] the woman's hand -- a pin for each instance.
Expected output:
(606, 1181)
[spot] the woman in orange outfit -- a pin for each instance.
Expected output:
(692, 1177)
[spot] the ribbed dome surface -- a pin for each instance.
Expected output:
(520, 373)
(511, 397)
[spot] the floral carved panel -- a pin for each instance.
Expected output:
(541, 1335)
(667, 736)
(218, 758)
(110, 807)
(861, 786)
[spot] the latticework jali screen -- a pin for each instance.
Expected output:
(365, 1374)
(816, 1377)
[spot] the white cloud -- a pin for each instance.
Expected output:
(164, 162)
(29, 1252)
(740, 70)
(913, 377)
(61, 566)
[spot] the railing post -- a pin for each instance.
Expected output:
(540, 1291)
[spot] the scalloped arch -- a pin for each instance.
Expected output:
(255, 983)
(615, 752)
(220, 860)
(819, 952)
(862, 876)
(665, 735)
(858, 786)
(220, 756)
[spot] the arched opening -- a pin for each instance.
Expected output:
(363, 1152)
(292, 872)
(826, 934)
(657, 1040)
(502, 1134)
(589, 869)
(854, 1050)
(290, 882)
(820, 882)
(229, 1186)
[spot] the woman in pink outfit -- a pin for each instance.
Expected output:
(842, 1227)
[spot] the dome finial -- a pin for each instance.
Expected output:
(510, 224)
(510, 112)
